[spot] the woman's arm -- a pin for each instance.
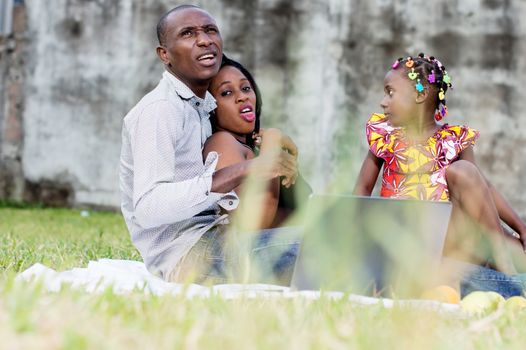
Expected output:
(368, 175)
(231, 152)
(506, 212)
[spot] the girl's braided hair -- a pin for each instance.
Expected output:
(428, 71)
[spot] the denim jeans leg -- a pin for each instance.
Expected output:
(274, 253)
(478, 278)
(206, 261)
(485, 279)
(266, 256)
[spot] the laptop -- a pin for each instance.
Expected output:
(370, 245)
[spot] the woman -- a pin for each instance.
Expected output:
(237, 137)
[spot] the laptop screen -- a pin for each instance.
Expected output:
(370, 245)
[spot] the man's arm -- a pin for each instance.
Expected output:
(264, 167)
(158, 198)
(278, 158)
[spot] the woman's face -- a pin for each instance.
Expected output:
(236, 101)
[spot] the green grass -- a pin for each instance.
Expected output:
(32, 318)
(60, 238)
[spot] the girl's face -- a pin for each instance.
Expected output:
(399, 101)
(236, 101)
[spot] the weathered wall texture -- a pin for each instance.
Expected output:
(319, 63)
(11, 107)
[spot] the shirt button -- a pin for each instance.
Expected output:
(207, 193)
(230, 202)
(197, 103)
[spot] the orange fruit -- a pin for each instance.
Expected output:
(443, 293)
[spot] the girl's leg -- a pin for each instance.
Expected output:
(473, 212)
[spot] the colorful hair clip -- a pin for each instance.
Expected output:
(432, 77)
(419, 87)
(441, 95)
(412, 75)
(410, 63)
(446, 79)
(395, 64)
(441, 112)
(438, 63)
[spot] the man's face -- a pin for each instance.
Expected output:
(193, 47)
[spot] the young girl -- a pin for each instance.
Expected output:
(237, 137)
(425, 160)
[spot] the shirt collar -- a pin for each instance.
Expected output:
(205, 105)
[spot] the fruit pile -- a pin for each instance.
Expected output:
(484, 302)
(476, 302)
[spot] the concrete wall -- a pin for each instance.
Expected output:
(12, 77)
(320, 65)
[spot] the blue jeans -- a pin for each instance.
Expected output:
(267, 256)
(484, 279)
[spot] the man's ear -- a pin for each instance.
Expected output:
(163, 55)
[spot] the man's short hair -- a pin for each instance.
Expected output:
(161, 25)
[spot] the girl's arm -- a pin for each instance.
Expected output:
(506, 212)
(232, 152)
(368, 175)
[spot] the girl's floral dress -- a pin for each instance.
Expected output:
(413, 170)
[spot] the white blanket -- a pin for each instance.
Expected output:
(125, 276)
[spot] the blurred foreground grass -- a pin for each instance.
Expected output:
(31, 318)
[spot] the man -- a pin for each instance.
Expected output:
(171, 200)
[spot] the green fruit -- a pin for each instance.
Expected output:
(481, 302)
(496, 297)
(515, 303)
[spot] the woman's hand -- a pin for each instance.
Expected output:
(284, 140)
(279, 146)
